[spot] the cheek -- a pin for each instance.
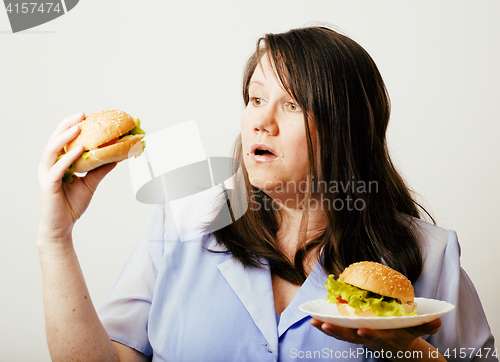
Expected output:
(297, 145)
(245, 132)
(298, 160)
(243, 120)
(246, 117)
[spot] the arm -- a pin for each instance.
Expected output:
(73, 328)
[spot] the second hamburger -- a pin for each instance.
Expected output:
(369, 289)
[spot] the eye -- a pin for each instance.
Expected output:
(256, 101)
(294, 107)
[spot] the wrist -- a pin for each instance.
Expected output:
(47, 243)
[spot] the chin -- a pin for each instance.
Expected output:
(274, 181)
(266, 185)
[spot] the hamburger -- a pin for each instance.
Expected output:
(369, 289)
(106, 136)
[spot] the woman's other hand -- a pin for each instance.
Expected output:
(62, 203)
(394, 340)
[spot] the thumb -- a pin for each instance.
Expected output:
(94, 177)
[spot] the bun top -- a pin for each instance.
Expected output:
(101, 127)
(380, 279)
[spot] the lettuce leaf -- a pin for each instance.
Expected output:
(68, 175)
(360, 299)
(137, 129)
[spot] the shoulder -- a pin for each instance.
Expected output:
(436, 243)
(182, 222)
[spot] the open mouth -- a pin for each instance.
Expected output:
(261, 152)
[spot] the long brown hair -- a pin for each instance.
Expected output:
(342, 94)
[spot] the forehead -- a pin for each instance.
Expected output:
(265, 73)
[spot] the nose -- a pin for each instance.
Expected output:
(266, 121)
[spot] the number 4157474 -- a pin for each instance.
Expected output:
(24, 8)
(470, 353)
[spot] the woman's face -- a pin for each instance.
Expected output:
(273, 121)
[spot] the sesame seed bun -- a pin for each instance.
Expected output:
(380, 279)
(125, 148)
(100, 128)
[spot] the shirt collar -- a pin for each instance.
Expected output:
(253, 286)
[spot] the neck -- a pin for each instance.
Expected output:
(291, 219)
(292, 209)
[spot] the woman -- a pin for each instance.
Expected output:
(321, 192)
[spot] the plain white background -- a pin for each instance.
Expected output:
(167, 62)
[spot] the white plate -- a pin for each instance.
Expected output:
(427, 310)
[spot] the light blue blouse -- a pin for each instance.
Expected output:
(177, 301)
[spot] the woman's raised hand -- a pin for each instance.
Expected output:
(62, 203)
(72, 324)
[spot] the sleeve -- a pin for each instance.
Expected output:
(464, 334)
(125, 312)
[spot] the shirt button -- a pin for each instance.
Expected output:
(267, 347)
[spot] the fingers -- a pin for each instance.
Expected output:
(376, 335)
(342, 333)
(374, 338)
(404, 336)
(55, 145)
(58, 170)
(67, 123)
(417, 331)
(316, 323)
(428, 328)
